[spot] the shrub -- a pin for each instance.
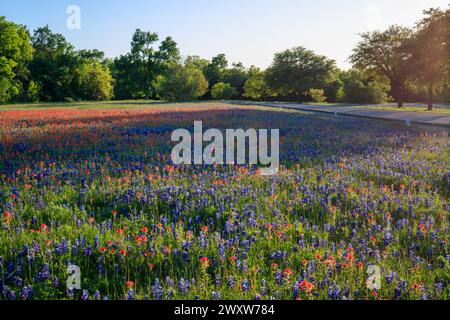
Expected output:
(95, 82)
(182, 83)
(223, 91)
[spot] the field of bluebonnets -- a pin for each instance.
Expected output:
(96, 188)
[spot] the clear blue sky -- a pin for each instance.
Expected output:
(250, 31)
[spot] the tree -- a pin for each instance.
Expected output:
(53, 65)
(197, 62)
(126, 74)
(385, 54)
(15, 52)
(295, 71)
(94, 81)
(223, 91)
(256, 86)
(149, 61)
(236, 76)
(360, 88)
(215, 71)
(334, 88)
(430, 51)
(183, 83)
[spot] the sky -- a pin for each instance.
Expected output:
(249, 31)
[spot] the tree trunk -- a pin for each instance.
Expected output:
(430, 97)
(400, 98)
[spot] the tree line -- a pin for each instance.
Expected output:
(399, 64)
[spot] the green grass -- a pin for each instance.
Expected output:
(409, 108)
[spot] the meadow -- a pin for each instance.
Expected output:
(95, 187)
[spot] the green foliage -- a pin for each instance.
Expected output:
(183, 83)
(359, 88)
(215, 70)
(33, 91)
(223, 91)
(385, 54)
(317, 95)
(293, 72)
(197, 62)
(54, 64)
(256, 86)
(136, 73)
(430, 52)
(236, 77)
(94, 82)
(15, 52)
(126, 74)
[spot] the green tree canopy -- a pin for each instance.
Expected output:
(385, 54)
(256, 86)
(223, 91)
(94, 81)
(15, 52)
(183, 83)
(362, 88)
(236, 76)
(430, 51)
(215, 71)
(53, 65)
(295, 71)
(136, 73)
(149, 61)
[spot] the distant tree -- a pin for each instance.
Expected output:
(215, 71)
(183, 83)
(94, 81)
(92, 55)
(223, 91)
(317, 95)
(236, 76)
(126, 74)
(295, 71)
(53, 65)
(149, 61)
(256, 86)
(15, 52)
(430, 51)
(334, 88)
(385, 54)
(360, 88)
(198, 62)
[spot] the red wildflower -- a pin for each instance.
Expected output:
(8, 216)
(288, 272)
(306, 286)
(204, 262)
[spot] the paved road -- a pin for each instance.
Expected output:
(440, 119)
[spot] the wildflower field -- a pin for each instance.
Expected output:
(96, 188)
